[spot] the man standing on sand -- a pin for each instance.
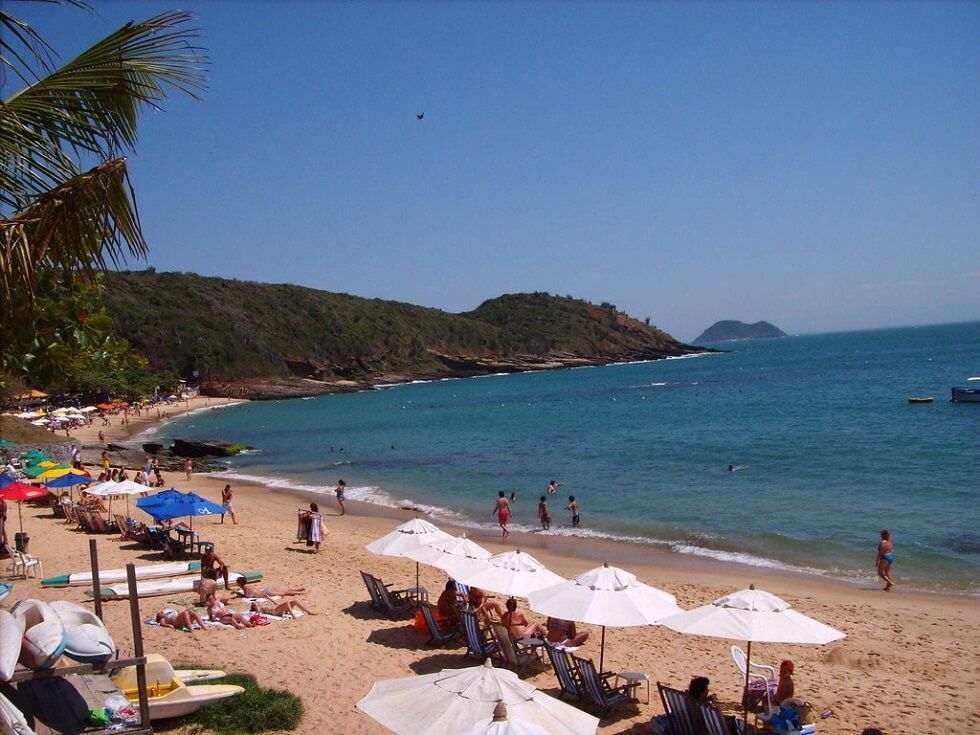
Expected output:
(227, 496)
(502, 509)
(573, 506)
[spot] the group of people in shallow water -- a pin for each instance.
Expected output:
(559, 633)
(502, 509)
(264, 601)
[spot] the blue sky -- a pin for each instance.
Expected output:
(813, 164)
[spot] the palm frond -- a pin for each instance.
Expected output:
(82, 226)
(91, 104)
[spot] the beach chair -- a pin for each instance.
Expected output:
(567, 677)
(435, 634)
(513, 658)
(373, 591)
(767, 685)
(23, 565)
(478, 640)
(715, 723)
(596, 688)
(85, 522)
(393, 602)
(684, 719)
(462, 593)
(99, 523)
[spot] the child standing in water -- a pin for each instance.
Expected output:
(543, 513)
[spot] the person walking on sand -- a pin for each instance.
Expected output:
(340, 490)
(573, 506)
(188, 468)
(884, 559)
(227, 496)
(543, 513)
(502, 509)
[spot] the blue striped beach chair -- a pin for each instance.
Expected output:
(477, 641)
(567, 679)
(596, 688)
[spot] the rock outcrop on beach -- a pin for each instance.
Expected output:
(730, 330)
(205, 448)
(267, 341)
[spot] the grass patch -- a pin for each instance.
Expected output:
(254, 711)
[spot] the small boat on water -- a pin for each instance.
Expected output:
(921, 399)
(114, 576)
(168, 694)
(966, 395)
(154, 587)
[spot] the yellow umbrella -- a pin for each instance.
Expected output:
(52, 474)
(47, 463)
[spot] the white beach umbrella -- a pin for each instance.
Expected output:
(501, 724)
(455, 701)
(445, 554)
(752, 615)
(606, 596)
(125, 488)
(512, 573)
(410, 535)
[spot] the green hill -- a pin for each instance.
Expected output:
(226, 330)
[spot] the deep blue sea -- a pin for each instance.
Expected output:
(830, 450)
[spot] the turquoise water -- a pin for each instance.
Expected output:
(832, 452)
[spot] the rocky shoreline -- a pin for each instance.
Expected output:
(447, 366)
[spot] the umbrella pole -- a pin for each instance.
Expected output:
(21, 519)
(748, 665)
(602, 649)
(416, 577)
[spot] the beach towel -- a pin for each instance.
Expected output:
(316, 528)
(214, 624)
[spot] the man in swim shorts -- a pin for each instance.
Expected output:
(502, 509)
(573, 506)
(212, 567)
(543, 513)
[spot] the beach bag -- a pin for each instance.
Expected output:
(258, 619)
(419, 624)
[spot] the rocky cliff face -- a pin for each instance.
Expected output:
(731, 330)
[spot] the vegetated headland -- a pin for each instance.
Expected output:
(263, 341)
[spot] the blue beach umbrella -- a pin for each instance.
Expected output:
(164, 496)
(69, 481)
(6, 480)
(187, 505)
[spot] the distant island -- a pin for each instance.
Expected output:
(266, 341)
(730, 330)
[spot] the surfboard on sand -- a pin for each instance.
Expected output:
(115, 576)
(155, 587)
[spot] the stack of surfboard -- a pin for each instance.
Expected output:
(151, 580)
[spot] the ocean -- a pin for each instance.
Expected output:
(829, 451)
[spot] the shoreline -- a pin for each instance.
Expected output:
(892, 671)
(598, 546)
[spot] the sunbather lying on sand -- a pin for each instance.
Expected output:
(169, 618)
(285, 607)
(220, 613)
(254, 590)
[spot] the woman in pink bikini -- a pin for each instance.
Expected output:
(502, 509)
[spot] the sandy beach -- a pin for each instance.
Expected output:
(910, 659)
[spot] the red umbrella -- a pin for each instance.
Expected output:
(20, 492)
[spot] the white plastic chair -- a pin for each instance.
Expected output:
(24, 565)
(741, 660)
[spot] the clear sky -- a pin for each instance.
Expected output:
(813, 164)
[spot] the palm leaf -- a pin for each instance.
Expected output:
(82, 226)
(91, 104)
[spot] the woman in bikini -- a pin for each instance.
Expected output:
(253, 590)
(219, 613)
(285, 607)
(169, 618)
(502, 509)
(886, 555)
(518, 626)
(480, 604)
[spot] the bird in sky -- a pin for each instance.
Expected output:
(420, 115)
